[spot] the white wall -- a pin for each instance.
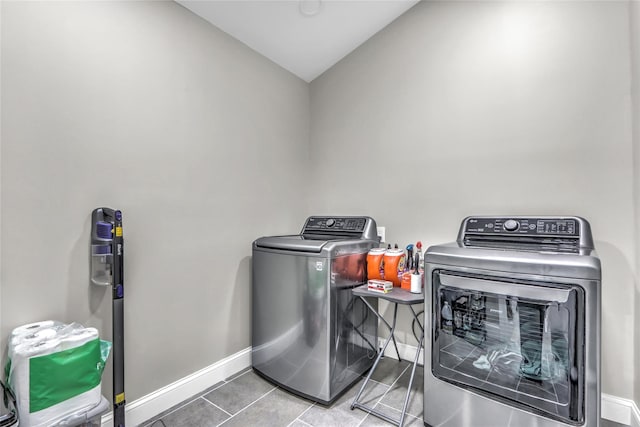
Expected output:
(635, 94)
(200, 142)
(469, 108)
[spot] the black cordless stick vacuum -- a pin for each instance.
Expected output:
(107, 268)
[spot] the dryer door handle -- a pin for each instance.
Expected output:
(540, 293)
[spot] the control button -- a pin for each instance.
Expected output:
(331, 222)
(511, 225)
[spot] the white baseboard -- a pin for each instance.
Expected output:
(619, 410)
(616, 409)
(140, 410)
(407, 352)
(635, 420)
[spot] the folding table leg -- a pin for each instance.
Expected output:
(375, 364)
(374, 311)
(413, 372)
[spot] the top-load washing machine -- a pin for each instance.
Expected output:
(310, 335)
(512, 335)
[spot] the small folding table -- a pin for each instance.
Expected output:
(397, 296)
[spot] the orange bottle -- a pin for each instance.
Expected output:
(375, 264)
(394, 260)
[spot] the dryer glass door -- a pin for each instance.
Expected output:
(516, 341)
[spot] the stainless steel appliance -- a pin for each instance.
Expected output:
(310, 335)
(512, 314)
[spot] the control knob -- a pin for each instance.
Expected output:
(511, 225)
(331, 222)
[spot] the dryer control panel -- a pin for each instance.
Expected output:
(567, 234)
(521, 225)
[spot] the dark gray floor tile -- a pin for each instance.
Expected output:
(255, 401)
(237, 374)
(340, 413)
(209, 389)
(388, 370)
(371, 393)
(396, 396)
(338, 416)
(277, 408)
(348, 395)
(373, 421)
(242, 391)
(152, 421)
(198, 413)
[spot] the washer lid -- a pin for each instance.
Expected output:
(318, 231)
(296, 243)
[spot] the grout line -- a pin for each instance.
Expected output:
(301, 421)
(201, 396)
(211, 403)
(313, 404)
(243, 409)
(367, 415)
(175, 408)
(392, 384)
(228, 382)
(211, 389)
(238, 375)
(379, 401)
(406, 414)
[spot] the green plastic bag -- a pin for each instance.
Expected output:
(56, 377)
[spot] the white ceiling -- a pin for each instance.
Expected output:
(305, 44)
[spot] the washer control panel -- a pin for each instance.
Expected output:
(349, 224)
(568, 227)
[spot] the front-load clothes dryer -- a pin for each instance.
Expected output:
(310, 335)
(512, 335)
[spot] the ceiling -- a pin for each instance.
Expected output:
(305, 37)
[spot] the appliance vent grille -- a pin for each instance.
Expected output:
(331, 234)
(524, 243)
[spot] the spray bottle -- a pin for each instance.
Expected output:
(418, 247)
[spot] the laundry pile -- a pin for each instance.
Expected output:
(55, 370)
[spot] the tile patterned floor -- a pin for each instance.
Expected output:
(249, 400)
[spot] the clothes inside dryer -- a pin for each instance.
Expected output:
(512, 317)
